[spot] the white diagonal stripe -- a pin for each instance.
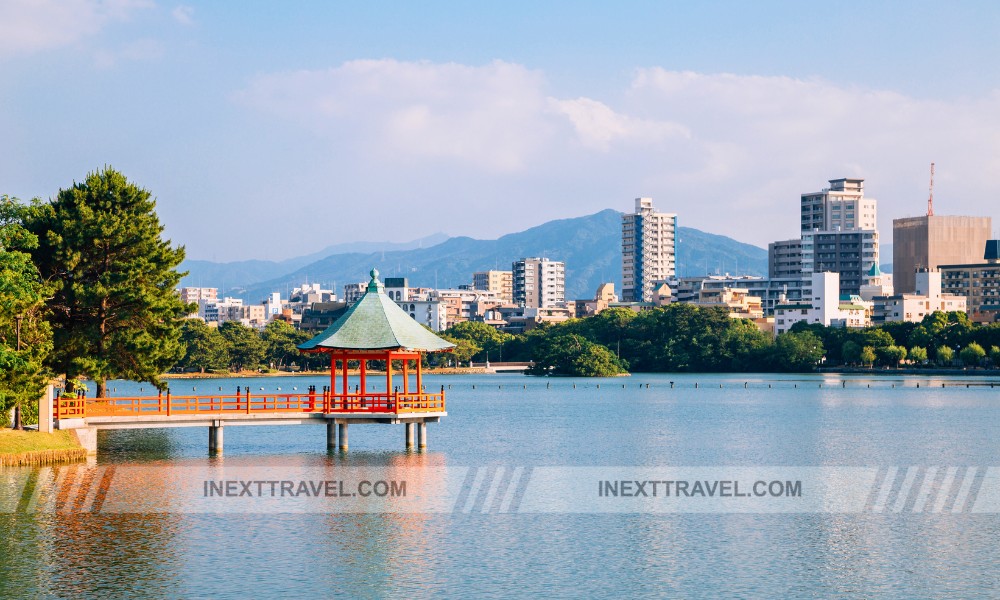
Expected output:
(904, 491)
(925, 490)
(963, 493)
(474, 490)
(883, 492)
(515, 482)
(949, 480)
(492, 492)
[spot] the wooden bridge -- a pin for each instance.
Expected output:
(336, 410)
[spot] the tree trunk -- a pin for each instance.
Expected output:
(16, 421)
(102, 388)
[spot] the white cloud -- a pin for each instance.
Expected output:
(183, 14)
(597, 125)
(29, 26)
(729, 153)
(491, 116)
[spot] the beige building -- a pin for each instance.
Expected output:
(191, 295)
(928, 242)
(603, 298)
(500, 282)
(649, 250)
(927, 299)
(739, 302)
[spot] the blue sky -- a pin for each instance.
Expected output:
(268, 130)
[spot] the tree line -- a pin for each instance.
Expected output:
(690, 338)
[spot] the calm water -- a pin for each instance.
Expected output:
(808, 421)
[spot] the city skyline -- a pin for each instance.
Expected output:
(267, 134)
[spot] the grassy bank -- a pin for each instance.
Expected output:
(18, 448)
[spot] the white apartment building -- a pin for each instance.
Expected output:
(914, 307)
(824, 306)
(649, 250)
(430, 313)
(539, 282)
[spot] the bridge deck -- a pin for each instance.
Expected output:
(247, 409)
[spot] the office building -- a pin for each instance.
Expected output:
(929, 241)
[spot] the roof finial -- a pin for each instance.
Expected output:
(374, 285)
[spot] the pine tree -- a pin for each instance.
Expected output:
(115, 312)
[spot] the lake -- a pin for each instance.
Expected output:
(548, 538)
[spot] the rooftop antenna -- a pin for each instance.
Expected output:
(930, 198)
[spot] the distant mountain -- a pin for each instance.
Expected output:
(244, 273)
(590, 246)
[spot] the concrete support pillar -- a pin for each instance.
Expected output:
(422, 435)
(343, 436)
(87, 436)
(331, 434)
(215, 438)
(45, 410)
(409, 435)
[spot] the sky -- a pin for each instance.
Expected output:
(268, 130)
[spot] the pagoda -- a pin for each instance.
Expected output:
(376, 329)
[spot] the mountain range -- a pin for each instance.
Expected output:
(590, 246)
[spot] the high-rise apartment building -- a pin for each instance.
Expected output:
(840, 207)
(499, 282)
(539, 282)
(929, 241)
(649, 250)
(850, 254)
(839, 235)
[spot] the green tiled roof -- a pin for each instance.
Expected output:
(375, 322)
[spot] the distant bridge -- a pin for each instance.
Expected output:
(498, 367)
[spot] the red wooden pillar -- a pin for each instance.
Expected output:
(406, 375)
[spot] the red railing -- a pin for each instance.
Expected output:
(248, 403)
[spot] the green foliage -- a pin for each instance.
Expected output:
(115, 312)
(891, 356)
(474, 334)
(918, 355)
(995, 356)
(973, 355)
(868, 356)
(204, 347)
(796, 351)
(280, 341)
(944, 355)
(851, 352)
(572, 354)
(245, 348)
(25, 336)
